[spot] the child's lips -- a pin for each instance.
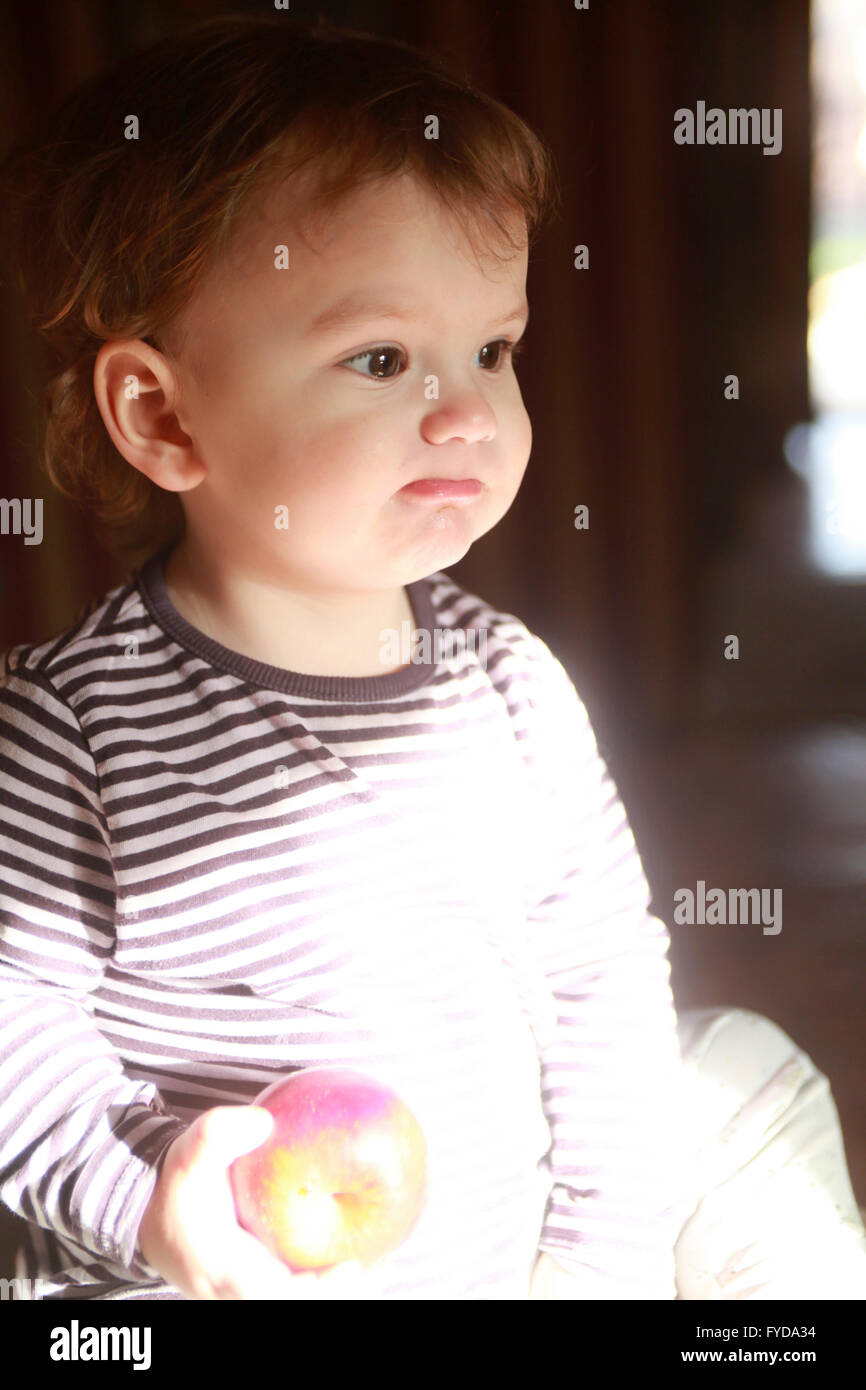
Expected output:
(443, 489)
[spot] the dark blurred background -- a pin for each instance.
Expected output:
(743, 773)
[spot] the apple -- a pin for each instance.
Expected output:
(343, 1176)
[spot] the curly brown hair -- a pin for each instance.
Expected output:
(111, 235)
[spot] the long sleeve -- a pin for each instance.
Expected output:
(612, 1075)
(80, 1143)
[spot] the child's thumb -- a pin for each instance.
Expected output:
(231, 1130)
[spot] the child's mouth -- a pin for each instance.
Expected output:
(443, 489)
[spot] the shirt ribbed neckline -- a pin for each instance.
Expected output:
(346, 689)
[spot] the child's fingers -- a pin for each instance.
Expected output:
(257, 1274)
(234, 1265)
(227, 1131)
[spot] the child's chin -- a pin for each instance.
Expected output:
(449, 552)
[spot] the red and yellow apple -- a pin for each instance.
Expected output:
(342, 1175)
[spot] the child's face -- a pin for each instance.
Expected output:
(279, 421)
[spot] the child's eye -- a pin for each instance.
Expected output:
(509, 349)
(382, 358)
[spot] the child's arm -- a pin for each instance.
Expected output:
(611, 1072)
(79, 1141)
(85, 1151)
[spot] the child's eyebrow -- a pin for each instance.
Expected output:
(351, 309)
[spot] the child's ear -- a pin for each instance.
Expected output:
(138, 393)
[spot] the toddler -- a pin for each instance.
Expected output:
(290, 796)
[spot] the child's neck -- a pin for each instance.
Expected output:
(294, 632)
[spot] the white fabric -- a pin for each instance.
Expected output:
(768, 1210)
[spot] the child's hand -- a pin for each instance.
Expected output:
(191, 1235)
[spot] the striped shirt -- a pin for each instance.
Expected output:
(214, 871)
